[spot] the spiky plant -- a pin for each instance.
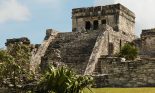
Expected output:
(63, 80)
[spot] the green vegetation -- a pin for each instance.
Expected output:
(15, 74)
(63, 80)
(121, 90)
(14, 68)
(129, 51)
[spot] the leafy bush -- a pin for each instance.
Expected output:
(129, 51)
(14, 67)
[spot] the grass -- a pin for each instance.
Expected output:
(121, 90)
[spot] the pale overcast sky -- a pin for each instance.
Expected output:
(31, 18)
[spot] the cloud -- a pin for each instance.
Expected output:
(52, 3)
(12, 10)
(103, 2)
(48, 1)
(144, 10)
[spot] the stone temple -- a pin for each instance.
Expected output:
(98, 33)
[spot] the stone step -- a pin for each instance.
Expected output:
(74, 48)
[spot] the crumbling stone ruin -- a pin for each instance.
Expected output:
(22, 40)
(18, 47)
(148, 42)
(117, 16)
(98, 33)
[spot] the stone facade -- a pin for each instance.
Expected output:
(117, 16)
(108, 43)
(148, 42)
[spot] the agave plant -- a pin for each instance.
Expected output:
(63, 80)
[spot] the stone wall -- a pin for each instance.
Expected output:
(4, 90)
(125, 74)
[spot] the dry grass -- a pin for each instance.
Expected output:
(121, 90)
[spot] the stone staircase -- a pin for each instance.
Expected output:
(100, 48)
(75, 49)
(37, 55)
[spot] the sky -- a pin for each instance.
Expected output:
(31, 18)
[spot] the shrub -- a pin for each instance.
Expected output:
(129, 51)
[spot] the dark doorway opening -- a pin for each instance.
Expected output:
(87, 25)
(95, 23)
(111, 48)
(103, 21)
(120, 45)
